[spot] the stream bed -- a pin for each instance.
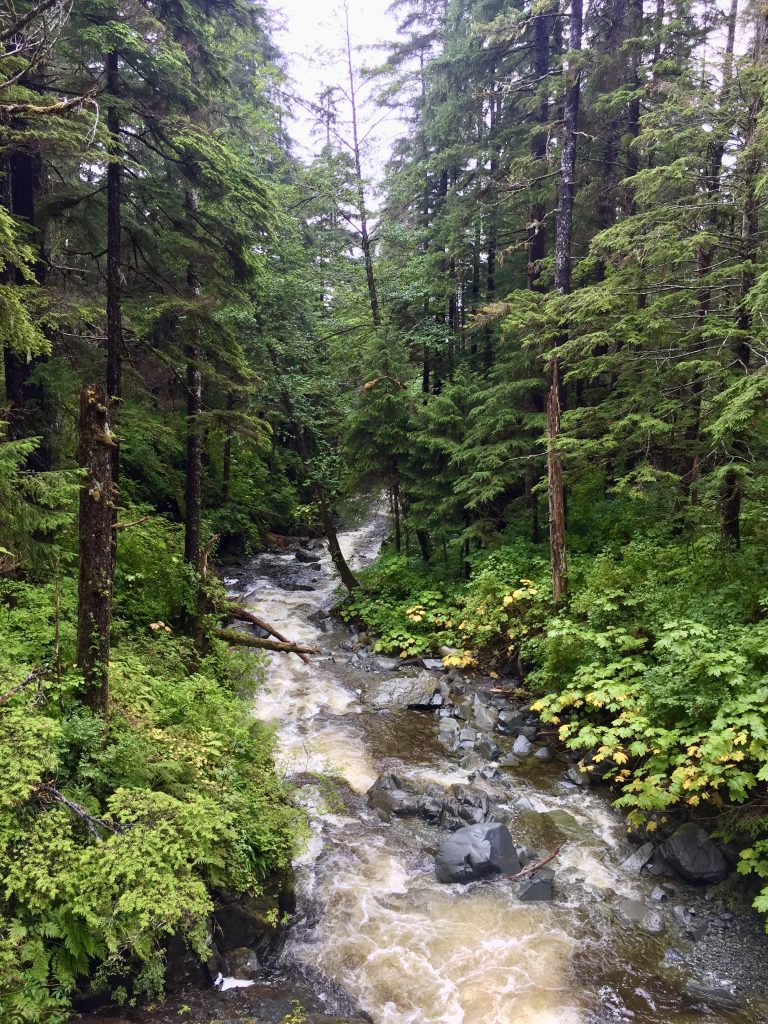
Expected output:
(377, 937)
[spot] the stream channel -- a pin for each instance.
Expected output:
(376, 935)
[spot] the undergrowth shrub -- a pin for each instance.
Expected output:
(114, 832)
(658, 668)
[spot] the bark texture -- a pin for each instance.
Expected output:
(97, 536)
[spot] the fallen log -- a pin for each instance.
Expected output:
(536, 864)
(232, 636)
(243, 615)
(93, 824)
(36, 675)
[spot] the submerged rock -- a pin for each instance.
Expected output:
(476, 851)
(691, 852)
(303, 555)
(538, 888)
(713, 994)
(645, 918)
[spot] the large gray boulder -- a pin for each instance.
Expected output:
(422, 690)
(691, 852)
(475, 852)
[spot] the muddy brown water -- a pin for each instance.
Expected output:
(373, 921)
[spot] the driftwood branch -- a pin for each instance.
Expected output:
(45, 789)
(233, 637)
(243, 615)
(536, 864)
(35, 674)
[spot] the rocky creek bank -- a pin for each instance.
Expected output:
(688, 890)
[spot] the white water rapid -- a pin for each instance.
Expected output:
(372, 918)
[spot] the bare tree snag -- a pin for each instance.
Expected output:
(96, 566)
(566, 195)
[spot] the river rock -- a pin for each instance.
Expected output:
(539, 888)
(576, 777)
(484, 717)
(447, 730)
(509, 720)
(637, 861)
(433, 664)
(385, 664)
(253, 920)
(693, 855)
(303, 555)
(636, 913)
(490, 750)
(403, 691)
(469, 799)
(543, 754)
(713, 994)
(242, 963)
(475, 852)
(522, 747)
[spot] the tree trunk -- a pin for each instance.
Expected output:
(704, 259)
(19, 200)
(97, 537)
(566, 194)
(731, 493)
(731, 508)
(536, 232)
(395, 484)
(365, 241)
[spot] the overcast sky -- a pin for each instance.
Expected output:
(312, 40)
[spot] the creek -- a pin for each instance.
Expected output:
(372, 919)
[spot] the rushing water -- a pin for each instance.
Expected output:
(373, 919)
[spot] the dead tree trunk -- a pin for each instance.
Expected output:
(365, 239)
(97, 537)
(566, 195)
(114, 284)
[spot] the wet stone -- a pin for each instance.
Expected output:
(488, 749)
(645, 918)
(485, 718)
(543, 754)
(509, 720)
(539, 888)
(691, 852)
(476, 852)
(522, 747)
(637, 861)
(303, 555)
(713, 994)
(576, 777)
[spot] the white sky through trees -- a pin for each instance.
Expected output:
(313, 40)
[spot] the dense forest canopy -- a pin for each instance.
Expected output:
(542, 333)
